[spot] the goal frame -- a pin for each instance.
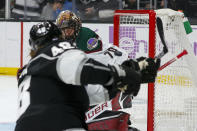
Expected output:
(151, 53)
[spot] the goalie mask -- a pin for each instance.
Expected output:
(42, 34)
(68, 20)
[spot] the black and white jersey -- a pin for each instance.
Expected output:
(50, 85)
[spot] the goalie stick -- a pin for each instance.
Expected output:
(165, 48)
(161, 35)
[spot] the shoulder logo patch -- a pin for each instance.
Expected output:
(92, 43)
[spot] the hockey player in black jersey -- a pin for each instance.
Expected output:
(51, 89)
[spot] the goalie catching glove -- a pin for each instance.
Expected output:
(148, 68)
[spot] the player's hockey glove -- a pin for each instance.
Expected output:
(133, 65)
(148, 68)
(126, 79)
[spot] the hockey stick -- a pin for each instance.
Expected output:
(165, 48)
(161, 35)
(184, 52)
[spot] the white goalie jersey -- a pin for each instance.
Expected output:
(109, 55)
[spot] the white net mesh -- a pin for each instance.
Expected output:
(175, 106)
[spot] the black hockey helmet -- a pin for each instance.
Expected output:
(43, 33)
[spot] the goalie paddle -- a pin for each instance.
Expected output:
(161, 35)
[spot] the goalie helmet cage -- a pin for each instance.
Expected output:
(169, 104)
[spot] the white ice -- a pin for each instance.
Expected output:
(8, 102)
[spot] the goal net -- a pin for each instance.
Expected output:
(169, 104)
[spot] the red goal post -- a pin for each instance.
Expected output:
(172, 97)
(152, 25)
